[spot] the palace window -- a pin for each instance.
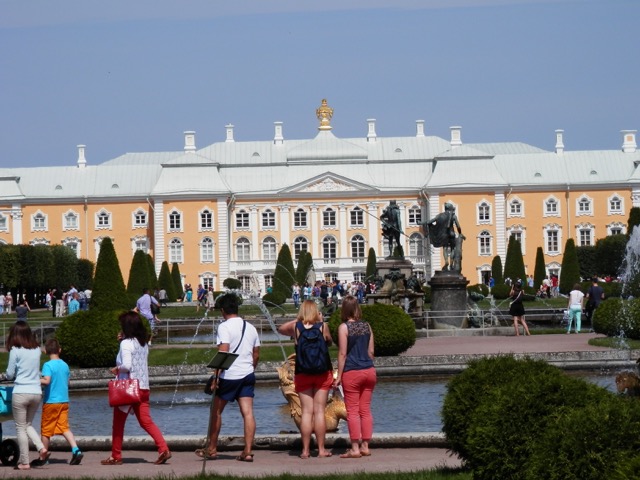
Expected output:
(175, 221)
(553, 241)
(515, 208)
(39, 221)
(357, 246)
(206, 250)
(175, 251)
(300, 245)
(329, 248)
(268, 219)
(243, 250)
(585, 237)
(300, 218)
(484, 213)
(484, 243)
(357, 217)
(206, 220)
(584, 206)
(416, 245)
(616, 205)
(242, 219)
(141, 243)
(269, 249)
(329, 218)
(139, 218)
(70, 221)
(551, 207)
(415, 216)
(3, 223)
(103, 220)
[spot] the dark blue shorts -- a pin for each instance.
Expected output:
(230, 390)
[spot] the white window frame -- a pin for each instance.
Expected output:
(138, 241)
(268, 219)
(581, 229)
(521, 231)
(356, 217)
(208, 279)
(207, 250)
(39, 222)
(74, 243)
(242, 220)
(4, 223)
(485, 243)
(483, 212)
(175, 217)
(202, 227)
(40, 241)
(329, 249)
(581, 201)
(548, 229)
(615, 198)
(100, 217)
(515, 201)
(545, 207)
(297, 246)
(300, 219)
(358, 245)
(333, 218)
(176, 251)
(615, 226)
(137, 215)
(414, 214)
(416, 245)
(66, 216)
(269, 249)
(243, 249)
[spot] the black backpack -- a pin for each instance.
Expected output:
(312, 352)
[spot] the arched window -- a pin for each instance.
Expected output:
(329, 218)
(551, 207)
(300, 218)
(329, 244)
(3, 223)
(300, 245)
(175, 251)
(139, 218)
(269, 249)
(70, 221)
(206, 220)
(206, 250)
(416, 245)
(616, 205)
(243, 250)
(484, 243)
(516, 208)
(39, 222)
(357, 217)
(103, 220)
(268, 219)
(242, 219)
(584, 204)
(357, 247)
(175, 221)
(484, 213)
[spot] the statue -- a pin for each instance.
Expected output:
(441, 231)
(391, 225)
(334, 411)
(628, 383)
(324, 113)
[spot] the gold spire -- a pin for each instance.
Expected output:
(324, 114)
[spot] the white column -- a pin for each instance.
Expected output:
(223, 228)
(342, 231)
(374, 225)
(159, 252)
(16, 223)
(635, 197)
(436, 254)
(501, 225)
(285, 226)
(254, 223)
(315, 231)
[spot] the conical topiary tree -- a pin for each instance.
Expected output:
(109, 292)
(85, 273)
(540, 271)
(305, 264)
(151, 272)
(138, 275)
(496, 270)
(570, 273)
(514, 263)
(284, 275)
(166, 281)
(634, 219)
(177, 281)
(371, 264)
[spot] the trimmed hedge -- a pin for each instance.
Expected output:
(615, 317)
(500, 292)
(393, 330)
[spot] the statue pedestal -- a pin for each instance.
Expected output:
(448, 300)
(394, 292)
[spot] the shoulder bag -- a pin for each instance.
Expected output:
(124, 392)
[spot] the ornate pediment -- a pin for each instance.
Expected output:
(329, 182)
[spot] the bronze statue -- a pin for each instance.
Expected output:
(441, 231)
(391, 225)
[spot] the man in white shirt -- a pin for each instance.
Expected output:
(235, 335)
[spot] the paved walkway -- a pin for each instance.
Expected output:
(138, 461)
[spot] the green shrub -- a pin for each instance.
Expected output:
(615, 317)
(505, 426)
(232, 283)
(480, 288)
(468, 390)
(393, 330)
(89, 338)
(611, 289)
(274, 298)
(588, 442)
(500, 292)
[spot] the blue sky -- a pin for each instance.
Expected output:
(130, 76)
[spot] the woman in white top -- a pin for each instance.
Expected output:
(131, 362)
(575, 307)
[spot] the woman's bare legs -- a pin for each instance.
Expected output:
(319, 421)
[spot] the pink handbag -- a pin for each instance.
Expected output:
(124, 392)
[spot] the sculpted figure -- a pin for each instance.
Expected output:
(441, 231)
(391, 225)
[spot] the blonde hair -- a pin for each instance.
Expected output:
(308, 313)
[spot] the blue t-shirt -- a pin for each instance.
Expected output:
(58, 390)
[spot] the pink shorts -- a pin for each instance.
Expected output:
(320, 381)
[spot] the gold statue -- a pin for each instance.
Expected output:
(334, 411)
(324, 114)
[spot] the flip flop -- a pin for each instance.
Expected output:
(245, 457)
(206, 454)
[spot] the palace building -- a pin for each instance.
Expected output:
(226, 209)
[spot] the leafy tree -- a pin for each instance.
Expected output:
(540, 271)
(284, 275)
(634, 219)
(496, 270)
(65, 264)
(138, 274)
(570, 273)
(371, 264)
(9, 265)
(109, 292)
(609, 255)
(177, 281)
(232, 283)
(305, 265)
(587, 259)
(85, 273)
(166, 281)
(514, 263)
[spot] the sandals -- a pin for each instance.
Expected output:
(206, 454)
(111, 461)
(245, 457)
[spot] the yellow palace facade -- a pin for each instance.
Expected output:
(226, 209)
